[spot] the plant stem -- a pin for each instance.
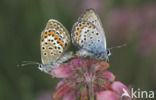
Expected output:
(91, 91)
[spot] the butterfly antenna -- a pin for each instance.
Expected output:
(119, 46)
(25, 63)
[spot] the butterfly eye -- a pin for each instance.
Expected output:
(108, 52)
(40, 66)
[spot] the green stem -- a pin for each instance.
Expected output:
(91, 91)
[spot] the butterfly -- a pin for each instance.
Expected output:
(55, 40)
(88, 34)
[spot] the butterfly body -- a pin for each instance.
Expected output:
(88, 34)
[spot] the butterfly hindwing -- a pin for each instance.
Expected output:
(91, 16)
(85, 35)
(54, 41)
(88, 34)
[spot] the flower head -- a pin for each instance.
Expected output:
(86, 79)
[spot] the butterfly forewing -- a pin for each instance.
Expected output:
(54, 41)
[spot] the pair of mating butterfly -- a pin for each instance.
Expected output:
(87, 34)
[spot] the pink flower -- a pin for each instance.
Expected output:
(118, 87)
(61, 72)
(86, 77)
(106, 95)
(115, 93)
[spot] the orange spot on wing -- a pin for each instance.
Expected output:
(57, 37)
(79, 30)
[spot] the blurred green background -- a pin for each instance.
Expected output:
(125, 21)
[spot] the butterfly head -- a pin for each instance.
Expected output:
(47, 67)
(44, 68)
(104, 55)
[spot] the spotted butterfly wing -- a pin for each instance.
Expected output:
(54, 41)
(90, 16)
(88, 34)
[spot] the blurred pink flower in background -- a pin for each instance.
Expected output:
(147, 30)
(120, 22)
(126, 23)
(87, 77)
(148, 42)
